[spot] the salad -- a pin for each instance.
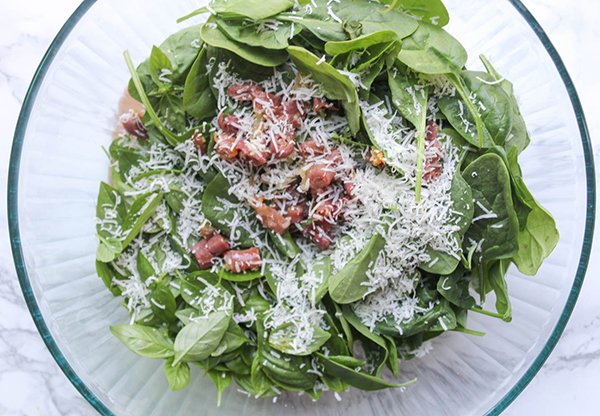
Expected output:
(304, 193)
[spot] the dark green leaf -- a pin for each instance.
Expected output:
(163, 304)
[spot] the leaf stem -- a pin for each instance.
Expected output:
(421, 148)
(140, 89)
(487, 313)
(469, 331)
(458, 84)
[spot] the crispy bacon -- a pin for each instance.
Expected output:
(239, 261)
(270, 217)
(320, 104)
(329, 210)
(217, 245)
(199, 142)
(132, 123)
(227, 123)
(297, 213)
(432, 167)
(310, 148)
(225, 146)
(318, 232)
(292, 112)
(208, 250)
(255, 153)
(319, 176)
(262, 100)
(349, 186)
(282, 146)
(243, 92)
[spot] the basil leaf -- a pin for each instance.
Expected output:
(197, 340)
(222, 380)
(144, 267)
(144, 341)
(140, 212)
(178, 375)
(163, 304)
(160, 67)
(283, 339)
(111, 207)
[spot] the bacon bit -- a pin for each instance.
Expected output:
(292, 112)
(227, 123)
(319, 176)
(297, 213)
(432, 168)
(207, 231)
(375, 157)
(262, 100)
(283, 146)
(217, 245)
(335, 157)
(225, 146)
(329, 210)
(318, 232)
(255, 153)
(310, 148)
(239, 261)
(208, 250)
(320, 104)
(243, 92)
(199, 142)
(349, 186)
(132, 123)
(270, 217)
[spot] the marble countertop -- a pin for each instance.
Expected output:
(32, 384)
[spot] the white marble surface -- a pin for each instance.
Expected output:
(32, 384)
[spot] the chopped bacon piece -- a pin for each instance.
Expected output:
(199, 142)
(329, 210)
(349, 186)
(293, 112)
(320, 104)
(225, 146)
(270, 217)
(207, 250)
(207, 231)
(217, 245)
(243, 92)
(132, 123)
(297, 213)
(335, 157)
(310, 148)
(228, 123)
(319, 176)
(282, 146)
(375, 157)
(262, 100)
(318, 232)
(239, 261)
(432, 167)
(255, 153)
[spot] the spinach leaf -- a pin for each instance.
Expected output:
(285, 243)
(160, 67)
(440, 262)
(346, 361)
(433, 11)
(463, 206)
(322, 270)
(327, 31)
(239, 9)
(110, 207)
(257, 55)
(182, 48)
(178, 375)
(345, 327)
(143, 340)
(197, 340)
(347, 286)
(256, 34)
(455, 288)
(140, 212)
(244, 276)
(495, 227)
(163, 304)
(170, 106)
(198, 98)
(360, 43)
(493, 104)
(540, 236)
(498, 283)
(283, 339)
(287, 371)
(222, 380)
(334, 85)
(431, 50)
(376, 356)
(356, 379)
(519, 136)
(392, 361)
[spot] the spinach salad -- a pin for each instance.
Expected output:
(311, 192)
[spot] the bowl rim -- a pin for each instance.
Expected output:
(17, 250)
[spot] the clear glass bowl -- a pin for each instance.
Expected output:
(57, 164)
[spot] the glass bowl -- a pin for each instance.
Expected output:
(57, 163)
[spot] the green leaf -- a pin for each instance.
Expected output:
(440, 262)
(357, 379)
(244, 276)
(222, 380)
(178, 375)
(495, 227)
(182, 48)
(347, 285)
(108, 274)
(283, 339)
(431, 11)
(326, 31)
(347, 361)
(256, 55)
(360, 43)
(144, 267)
(321, 269)
(163, 304)
(140, 212)
(455, 288)
(110, 206)
(144, 341)
(334, 85)
(160, 67)
(285, 243)
(197, 340)
(198, 99)
(463, 206)
(260, 382)
(238, 9)
(392, 361)
(498, 283)
(540, 236)
(171, 107)
(431, 50)
(109, 249)
(247, 32)
(234, 338)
